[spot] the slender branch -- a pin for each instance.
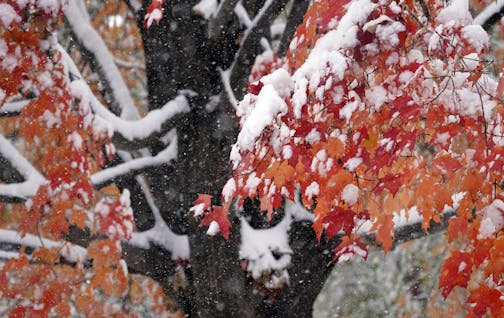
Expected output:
(69, 251)
(132, 134)
(490, 15)
(94, 49)
(249, 48)
(134, 166)
(32, 178)
(295, 18)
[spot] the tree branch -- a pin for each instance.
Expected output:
(135, 166)
(69, 251)
(11, 109)
(249, 48)
(131, 134)
(295, 18)
(490, 15)
(32, 178)
(93, 47)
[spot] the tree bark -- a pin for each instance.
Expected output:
(181, 56)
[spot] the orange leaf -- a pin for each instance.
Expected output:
(78, 218)
(385, 231)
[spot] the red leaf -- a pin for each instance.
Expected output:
(339, 219)
(486, 298)
(154, 13)
(389, 182)
(456, 271)
(83, 189)
(204, 199)
(348, 248)
(385, 231)
(255, 88)
(219, 215)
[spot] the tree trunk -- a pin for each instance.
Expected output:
(180, 57)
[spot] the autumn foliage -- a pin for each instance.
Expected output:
(66, 143)
(378, 109)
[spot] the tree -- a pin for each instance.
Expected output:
(381, 124)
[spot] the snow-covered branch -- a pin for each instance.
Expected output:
(160, 234)
(259, 27)
(267, 251)
(13, 108)
(32, 178)
(69, 251)
(135, 166)
(490, 15)
(100, 57)
(294, 19)
(129, 134)
(224, 15)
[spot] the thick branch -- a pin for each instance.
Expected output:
(412, 231)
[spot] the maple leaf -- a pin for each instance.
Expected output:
(218, 215)
(385, 231)
(455, 271)
(280, 173)
(201, 204)
(339, 219)
(390, 182)
(154, 12)
(485, 298)
(349, 247)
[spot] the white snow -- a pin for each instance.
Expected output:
(267, 106)
(457, 12)
(69, 251)
(312, 190)
(213, 229)
(350, 194)
(229, 189)
(33, 179)
(493, 219)
(476, 36)
(352, 163)
(8, 15)
(205, 8)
